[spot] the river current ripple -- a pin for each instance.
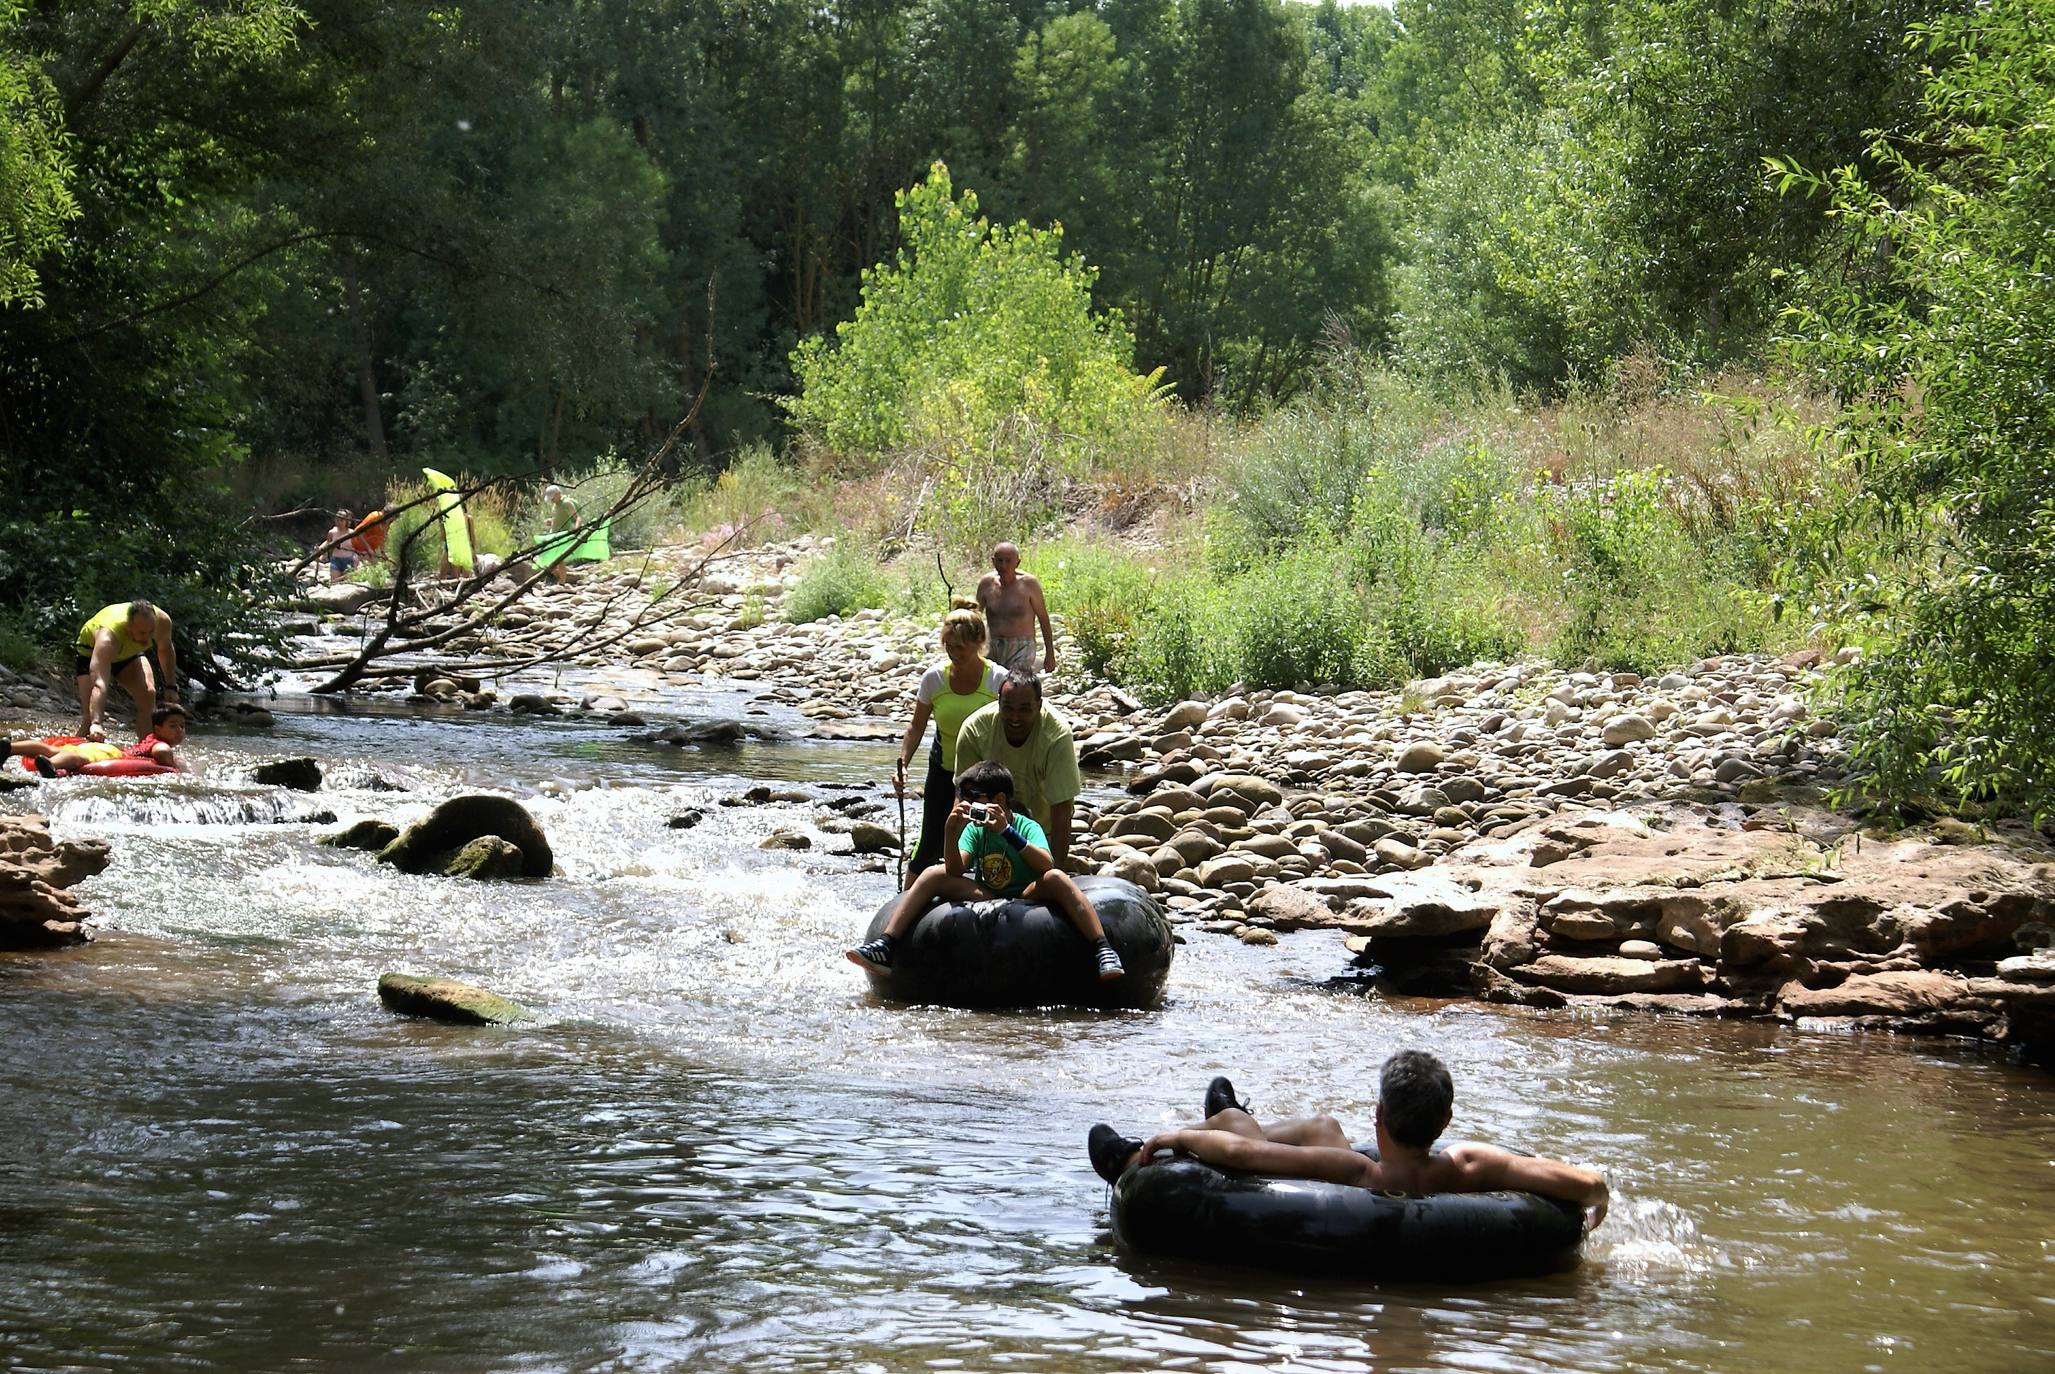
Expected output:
(721, 1153)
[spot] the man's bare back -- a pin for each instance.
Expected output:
(1316, 1147)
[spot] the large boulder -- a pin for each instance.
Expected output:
(446, 999)
(429, 843)
(868, 837)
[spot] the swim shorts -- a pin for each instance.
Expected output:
(1014, 655)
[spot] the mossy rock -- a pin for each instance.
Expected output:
(427, 845)
(446, 999)
(365, 834)
(485, 858)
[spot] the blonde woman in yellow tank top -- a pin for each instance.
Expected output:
(949, 692)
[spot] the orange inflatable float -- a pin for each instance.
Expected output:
(108, 760)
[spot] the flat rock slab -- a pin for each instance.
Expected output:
(1608, 975)
(1910, 993)
(446, 999)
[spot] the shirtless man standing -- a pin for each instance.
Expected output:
(1013, 606)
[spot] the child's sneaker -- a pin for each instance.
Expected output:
(875, 955)
(1107, 959)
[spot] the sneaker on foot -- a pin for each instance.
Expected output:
(1110, 1151)
(875, 955)
(44, 766)
(1108, 962)
(1220, 1096)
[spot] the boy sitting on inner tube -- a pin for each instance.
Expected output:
(1009, 856)
(167, 732)
(1415, 1101)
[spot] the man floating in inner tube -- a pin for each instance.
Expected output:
(167, 732)
(113, 647)
(1415, 1101)
(1036, 746)
(1008, 857)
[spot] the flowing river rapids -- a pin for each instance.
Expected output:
(720, 1153)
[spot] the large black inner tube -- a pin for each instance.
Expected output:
(1184, 1208)
(1021, 954)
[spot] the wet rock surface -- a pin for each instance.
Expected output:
(300, 775)
(37, 911)
(1510, 832)
(433, 843)
(446, 999)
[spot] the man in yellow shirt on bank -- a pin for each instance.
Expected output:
(114, 647)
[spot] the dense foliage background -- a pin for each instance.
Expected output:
(260, 253)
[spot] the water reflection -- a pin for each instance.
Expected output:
(723, 1153)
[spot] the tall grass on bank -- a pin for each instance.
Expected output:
(1368, 532)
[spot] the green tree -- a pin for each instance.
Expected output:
(1942, 339)
(972, 326)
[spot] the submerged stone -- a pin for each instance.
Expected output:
(446, 999)
(365, 834)
(300, 775)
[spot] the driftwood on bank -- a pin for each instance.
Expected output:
(422, 620)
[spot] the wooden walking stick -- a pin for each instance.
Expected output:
(902, 835)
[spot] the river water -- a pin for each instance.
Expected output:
(719, 1152)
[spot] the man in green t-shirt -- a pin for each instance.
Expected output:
(987, 852)
(1036, 746)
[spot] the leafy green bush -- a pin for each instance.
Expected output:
(1638, 594)
(749, 500)
(842, 580)
(1183, 643)
(18, 647)
(1942, 352)
(1103, 595)
(1299, 619)
(1304, 469)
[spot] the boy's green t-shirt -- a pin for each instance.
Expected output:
(996, 865)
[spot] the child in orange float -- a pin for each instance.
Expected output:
(54, 760)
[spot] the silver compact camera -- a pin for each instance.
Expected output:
(982, 813)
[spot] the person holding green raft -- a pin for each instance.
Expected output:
(560, 516)
(114, 647)
(948, 694)
(459, 537)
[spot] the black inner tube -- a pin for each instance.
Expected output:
(1192, 1210)
(1021, 954)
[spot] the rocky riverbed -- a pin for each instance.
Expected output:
(1515, 833)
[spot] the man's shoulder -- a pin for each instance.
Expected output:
(1053, 724)
(988, 582)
